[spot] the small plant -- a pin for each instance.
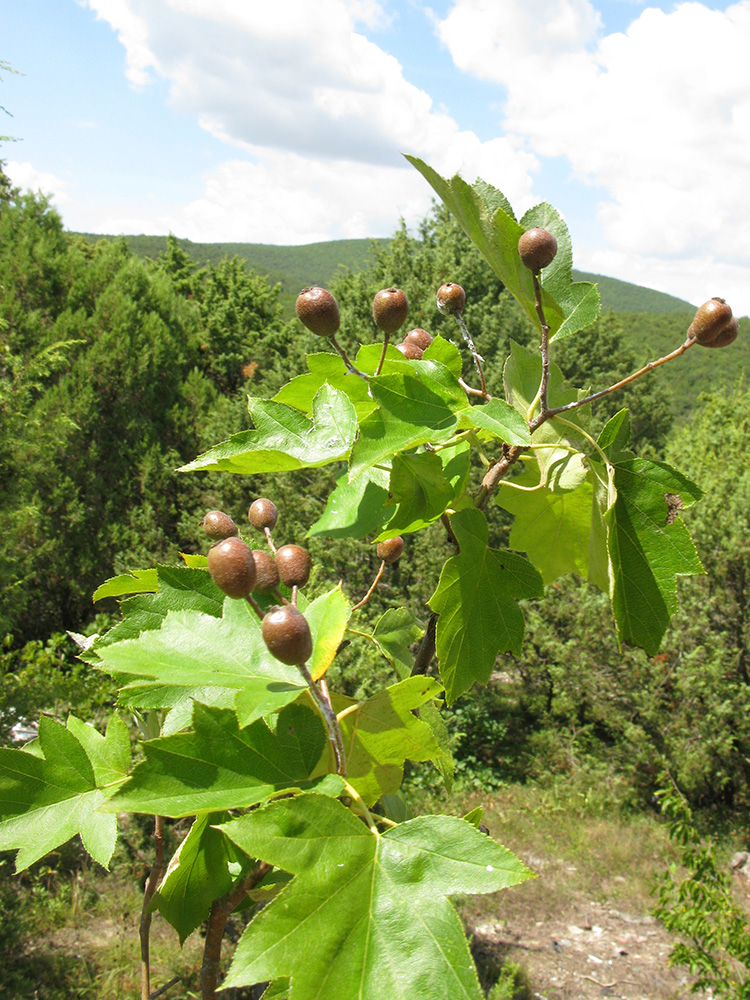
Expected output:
(225, 665)
(699, 907)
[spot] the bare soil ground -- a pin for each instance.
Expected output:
(582, 929)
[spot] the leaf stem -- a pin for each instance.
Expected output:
(586, 437)
(472, 391)
(362, 808)
(144, 929)
(329, 717)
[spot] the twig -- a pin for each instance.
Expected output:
(426, 650)
(446, 522)
(478, 359)
(220, 910)
(497, 472)
(612, 388)
(144, 928)
(604, 986)
(165, 987)
(371, 591)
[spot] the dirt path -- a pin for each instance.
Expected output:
(574, 947)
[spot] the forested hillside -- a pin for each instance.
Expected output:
(293, 267)
(117, 369)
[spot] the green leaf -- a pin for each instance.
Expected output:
(192, 651)
(327, 617)
(487, 219)
(383, 732)
(394, 632)
(552, 528)
(326, 368)
(415, 407)
(647, 554)
(140, 581)
(476, 599)
(374, 906)
(205, 866)
(421, 491)
(354, 509)
(286, 439)
(447, 353)
(49, 796)
(220, 766)
(560, 467)
(501, 420)
(178, 589)
(579, 300)
(444, 764)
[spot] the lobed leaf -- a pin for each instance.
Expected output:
(374, 906)
(476, 599)
(54, 793)
(222, 766)
(285, 439)
(205, 866)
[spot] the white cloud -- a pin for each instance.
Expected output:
(321, 113)
(28, 178)
(658, 115)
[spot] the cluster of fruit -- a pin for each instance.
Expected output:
(239, 571)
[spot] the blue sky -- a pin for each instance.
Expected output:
(283, 122)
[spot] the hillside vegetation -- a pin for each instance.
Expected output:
(293, 267)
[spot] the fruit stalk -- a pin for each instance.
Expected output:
(371, 591)
(349, 366)
(329, 717)
(478, 359)
(544, 345)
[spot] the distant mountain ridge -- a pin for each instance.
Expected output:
(317, 263)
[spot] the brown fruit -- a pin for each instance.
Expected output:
(410, 351)
(451, 298)
(293, 564)
(537, 248)
(319, 311)
(287, 635)
(267, 574)
(418, 336)
(713, 325)
(232, 567)
(727, 335)
(390, 308)
(390, 550)
(218, 525)
(262, 514)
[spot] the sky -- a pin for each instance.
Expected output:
(285, 121)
